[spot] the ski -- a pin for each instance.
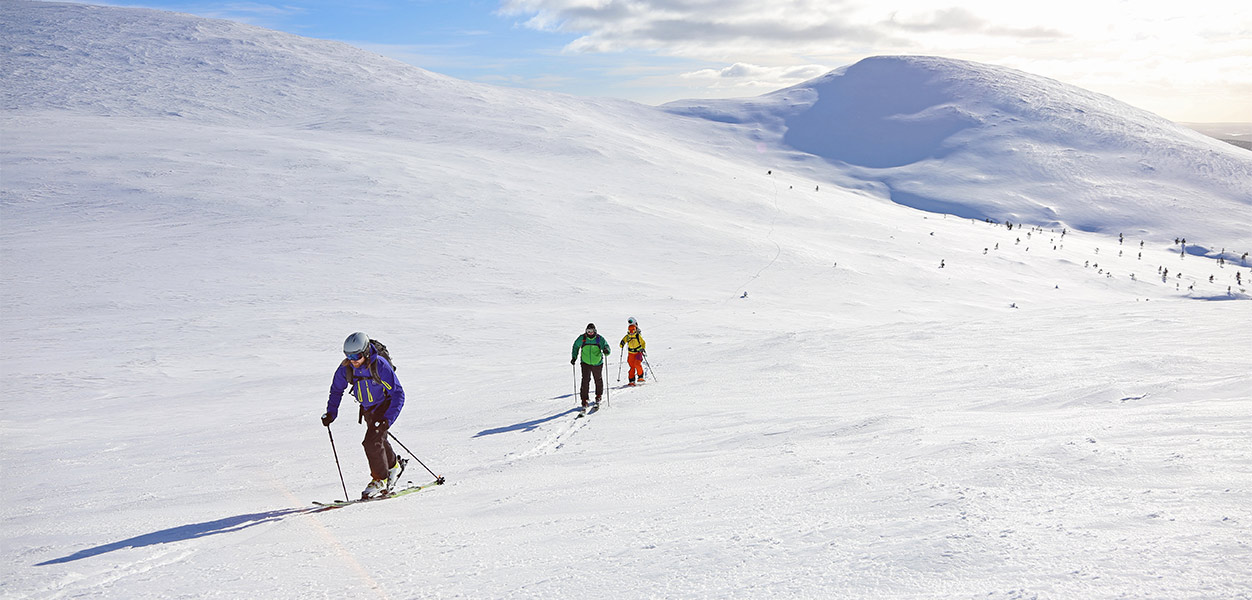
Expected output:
(411, 488)
(589, 410)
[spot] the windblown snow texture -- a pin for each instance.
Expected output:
(853, 398)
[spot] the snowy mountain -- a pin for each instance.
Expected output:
(850, 397)
(982, 141)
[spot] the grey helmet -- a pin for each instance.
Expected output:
(631, 321)
(356, 345)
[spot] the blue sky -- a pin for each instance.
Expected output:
(1189, 62)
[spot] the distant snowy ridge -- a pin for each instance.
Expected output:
(937, 134)
(1237, 134)
(951, 136)
(135, 62)
(144, 63)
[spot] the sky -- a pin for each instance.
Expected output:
(1189, 62)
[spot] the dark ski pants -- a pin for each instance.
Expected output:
(588, 372)
(377, 448)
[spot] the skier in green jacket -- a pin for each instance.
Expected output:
(593, 349)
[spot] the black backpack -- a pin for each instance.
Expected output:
(379, 348)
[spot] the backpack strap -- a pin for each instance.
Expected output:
(351, 377)
(371, 361)
(374, 371)
(595, 341)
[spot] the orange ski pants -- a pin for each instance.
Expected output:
(635, 360)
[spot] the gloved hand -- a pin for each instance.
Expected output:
(571, 361)
(327, 419)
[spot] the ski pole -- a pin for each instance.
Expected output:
(574, 371)
(438, 478)
(332, 449)
(649, 365)
(619, 367)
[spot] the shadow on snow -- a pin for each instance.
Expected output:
(181, 533)
(1223, 297)
(528, 425)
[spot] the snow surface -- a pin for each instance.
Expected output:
(906, 404)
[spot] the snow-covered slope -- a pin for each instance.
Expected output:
(194, 214)
(983, 141)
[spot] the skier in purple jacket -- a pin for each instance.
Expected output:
(374, 385)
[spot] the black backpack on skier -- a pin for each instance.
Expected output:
(379, 348)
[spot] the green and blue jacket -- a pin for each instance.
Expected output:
(593, 349)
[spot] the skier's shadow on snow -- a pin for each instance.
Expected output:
(181, 533)
(530, 425)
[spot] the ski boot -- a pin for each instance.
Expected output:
(394, 473)
(375, 489)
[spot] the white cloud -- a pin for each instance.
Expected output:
(749, 78)
(1203, 43)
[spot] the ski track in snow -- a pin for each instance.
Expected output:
(565, 427)
(557, 439)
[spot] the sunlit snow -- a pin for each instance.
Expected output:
(853, 398)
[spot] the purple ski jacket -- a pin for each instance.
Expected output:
(371, 394)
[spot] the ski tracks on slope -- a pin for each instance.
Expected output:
(555, 440)
(565, 429)
(769, 236)
(94, 580)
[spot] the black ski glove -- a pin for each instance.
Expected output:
(327, 419)
(571, 361)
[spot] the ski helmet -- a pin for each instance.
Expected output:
(631, 321)
(356, 345)
(591, 326)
